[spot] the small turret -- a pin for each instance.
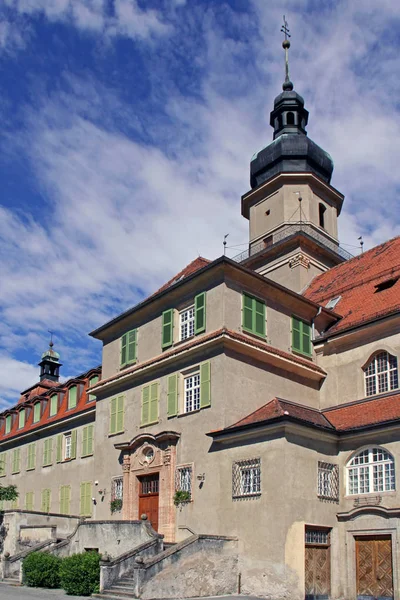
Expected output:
(50, 364)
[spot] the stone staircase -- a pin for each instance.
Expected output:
(121, 590)
(14, 581)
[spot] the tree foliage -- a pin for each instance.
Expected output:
(8, 492)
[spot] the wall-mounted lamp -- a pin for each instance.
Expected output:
(201, 477)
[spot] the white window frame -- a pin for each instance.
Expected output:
(67, 449)
(184, 478)
(191, 391)
(117, 488)
(187, 323)
(381, 374)
(328, 481)
(246, 478)
(371, 471)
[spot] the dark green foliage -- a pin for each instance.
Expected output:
(41, 570)
(115, 505)
(80, 574)
(181, 497)
(8, 492)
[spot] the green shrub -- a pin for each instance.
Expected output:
(41, 570)
(80, 574)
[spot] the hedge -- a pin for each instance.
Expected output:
(80, 574)
(41, 570)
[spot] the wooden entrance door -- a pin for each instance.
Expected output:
(148, 498)
(317, 564)
(374, 568)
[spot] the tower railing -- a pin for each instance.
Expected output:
(290, 230)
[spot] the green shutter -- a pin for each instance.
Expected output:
(145, 404)
(90, 439)
(29, 501)
(73, 444)
(86, 499)
(167, 328)
(153, 403)
(296, 334)
(124, 343)
(48, 451)
(120, 414)
(113, 415)
(65, 498)
(172, 395)
(53, 405)
(84, 441)
(247, 320)
(72, 397)
(36, 412)
(205, 384)
(21, 419)
(59, 448)
(200, 313)
(8, 423)
(82, 499)
(93, 382)
(16, 460)
(306, 338)
(3, 464)
(45, 506)
(259, 317)
(31, 456)
(132, 340)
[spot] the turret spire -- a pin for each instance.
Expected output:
(287, 86)
(50, 363)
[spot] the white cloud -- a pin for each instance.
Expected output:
(16, 376)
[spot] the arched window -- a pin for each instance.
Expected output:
(381, 374)
(290, 118)
(321, 213)
(371, 470)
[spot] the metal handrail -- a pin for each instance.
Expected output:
(291, 229)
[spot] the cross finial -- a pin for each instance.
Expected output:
(51, 344)
(287, 85)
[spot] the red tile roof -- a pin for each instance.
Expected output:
(356, 282)
(196, 264)
(348, 417)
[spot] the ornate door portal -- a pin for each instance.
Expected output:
(148, 498)
(374, 568)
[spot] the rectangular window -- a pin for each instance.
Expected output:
(29, 501)
(65, 499)
(53, 405)
(21, 419)
(72, 397)
(150, 395)
(36, 412)
(328, 481)
(67, 446)
(8, 423)
(117, 415)
(183, 479)
(48, 452)
(92, 382)
(167, 335)
(46, 501)
(301, 336)
(16, 461)
(253, 315)
(87, 440)
(317, 536)
(246, 478)
(191, 386)
(186, 323)
(31, 457)
(86, 499)
(117, 488)
(128, 348)
(3, 464)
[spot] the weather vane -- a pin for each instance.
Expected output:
(51, 338)
(288, 85)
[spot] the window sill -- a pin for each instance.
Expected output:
(127, 365)
(149, 424)
(48, 465)
(245, 496)
(87, 455)
(302, 354)
(31, 469)
(258, 336)
(192, 412)
(114, 433)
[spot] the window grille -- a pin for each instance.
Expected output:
(328, 481)
(187, 323)
(371, 470)
(246, 478)
(183, 479)
(192, 392)
(381, 374)
(117, 486)
(317, 536)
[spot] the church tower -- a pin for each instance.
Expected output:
(292, 208)
(50, 364)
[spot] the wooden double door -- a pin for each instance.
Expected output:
(148, 498)
(374, 568)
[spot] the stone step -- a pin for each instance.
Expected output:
(123, 585)
(108, 595)
(119, 589)
(10, 581)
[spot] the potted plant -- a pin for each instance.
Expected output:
(181, 497)
(116, 505)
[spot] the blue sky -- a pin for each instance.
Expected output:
(126, 131)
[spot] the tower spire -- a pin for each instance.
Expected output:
(50, 363)
(287, 85)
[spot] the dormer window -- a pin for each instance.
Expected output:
(72, 397)
(36, 412)
(21, 418)
(8, 423)
(381, 374)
